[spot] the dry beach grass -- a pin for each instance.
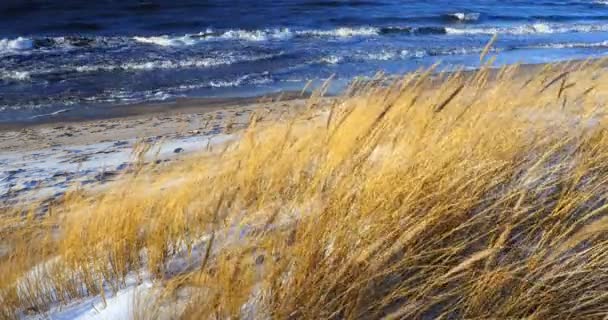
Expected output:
(455, 195)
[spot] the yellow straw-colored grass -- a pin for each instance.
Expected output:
(436, 195)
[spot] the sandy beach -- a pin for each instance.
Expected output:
(40, 161)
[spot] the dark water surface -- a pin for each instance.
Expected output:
(62, 55)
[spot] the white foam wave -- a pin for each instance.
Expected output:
(253, 35)
(210, 35)
(52, 114)
(15, 75)
(125, 96)
(387, 55)
(332, 59)
(254, 79)
(166, 41)
(462, 16)
(399, 54)
(536, 28)
(135, 66)
(16, 45)
(341, 32)
(571, 45)
(25, 46)
(382, 55)
(156, 65)
(181, 64)
(256, 35)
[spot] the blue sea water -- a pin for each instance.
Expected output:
(58, 55)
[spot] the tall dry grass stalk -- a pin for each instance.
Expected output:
(463, 195)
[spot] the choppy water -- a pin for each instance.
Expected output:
(62, 55)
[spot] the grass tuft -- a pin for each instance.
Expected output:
(462, 195)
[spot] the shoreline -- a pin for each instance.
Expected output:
(144, 109)
(190, 105)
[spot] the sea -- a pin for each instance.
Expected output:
(59, 56)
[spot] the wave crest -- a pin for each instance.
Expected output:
(572, 45)
(536, 28)
(463, 16)
(15, 75)
(210, 35)
(15, 45)
(254, 35)
(343, 32)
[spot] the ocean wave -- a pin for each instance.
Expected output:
(572, 45)
(166, 41)
(331, 59)
(254, 35)
(127, 97)
(15, 45)
(50, 114)
(211, 35)
(228, 59)
(536, 28)
(463, 16)
(398, 54)
(135, 66)
(343, 32)
(67, 103)
(23, 45)
(413, 30)
(122, 96)
(387, 55)
(15, 75)
(251, 79)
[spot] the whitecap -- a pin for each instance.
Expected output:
(382, 55)
(255, 79)
(277, 34)
(15, 75)
(167, 41)
(343, 32)
(536, 28)
(16, 45)
(332, 59)
(462, 16)
(570, 45)
(179, 64)
(256, 35)
(210, 35)
(385, 55)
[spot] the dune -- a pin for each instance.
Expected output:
(468, 194)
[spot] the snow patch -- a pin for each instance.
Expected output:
(116, 307)
(50, 172)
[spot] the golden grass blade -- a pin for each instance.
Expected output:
(488, 47)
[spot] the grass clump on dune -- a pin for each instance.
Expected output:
(456, 195)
